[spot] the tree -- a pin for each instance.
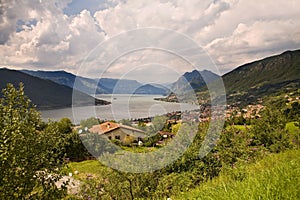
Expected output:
(293, 112)
(90, 122)
(29, 156)
(269, 130)
(65, 126)
(125, 122)
(158, 124)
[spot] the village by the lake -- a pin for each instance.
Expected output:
(149, 100)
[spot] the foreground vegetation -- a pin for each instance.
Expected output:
(231, 160)
(33, 155)
(277, 176)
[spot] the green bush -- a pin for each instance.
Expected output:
(30, 155)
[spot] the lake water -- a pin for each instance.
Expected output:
(122, 107)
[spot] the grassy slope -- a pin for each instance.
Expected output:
(272, 70)
(85, 168)
(291, 127)
(263, 78)
(277, 176)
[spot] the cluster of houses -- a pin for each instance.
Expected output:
(250, 112)
(125, 133)
(292, 97)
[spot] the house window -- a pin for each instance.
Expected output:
(117, 137)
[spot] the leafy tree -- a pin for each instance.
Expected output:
(125, 122)
(98, 144)
(71, 144)
(65, 126)
(142, 126)
(113, 184)
(89, 122)
(269, 130)
(293, 113)
(74, 149)
(158, 124)
(29, 156)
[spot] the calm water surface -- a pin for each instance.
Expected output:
(122, 107)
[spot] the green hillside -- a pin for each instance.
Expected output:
(45, 93)
(274, 177)
(263, 77)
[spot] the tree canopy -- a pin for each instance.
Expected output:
(30, 153)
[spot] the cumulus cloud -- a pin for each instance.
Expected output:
(59, 34)
(249, 32)
(55, 41)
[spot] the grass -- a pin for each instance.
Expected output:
(85, 168)
(239, 127)
(292, 128)
(277, 176)
(141, 149)
(94, 167)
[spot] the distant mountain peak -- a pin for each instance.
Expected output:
(100, 86)
(194, 80)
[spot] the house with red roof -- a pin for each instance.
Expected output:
(117, 131)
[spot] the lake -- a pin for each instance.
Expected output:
(122, 107)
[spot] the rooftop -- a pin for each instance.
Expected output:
(110, 126)
(104, 127)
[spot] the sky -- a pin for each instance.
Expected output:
(146, 40)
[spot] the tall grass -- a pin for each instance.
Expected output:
(275, 177)
(292, 128)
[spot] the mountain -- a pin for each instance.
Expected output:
(150, 89)
(194, 80)
(184, 88)
(120, 86)
(85, 85)
(103, 86)
(245, 84)
(261, 78)
(46, 94)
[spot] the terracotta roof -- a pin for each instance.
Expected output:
(104, 127)
(110, 126)
(131, 128)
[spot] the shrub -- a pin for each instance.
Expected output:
(30, 157)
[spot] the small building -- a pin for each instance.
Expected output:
(166, 135)
(118, 132)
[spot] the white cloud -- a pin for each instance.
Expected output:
(51, 35)
(250, 31)
(56, 41)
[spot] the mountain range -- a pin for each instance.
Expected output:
(246, 83)
(194, 80)
(95, 86)
(264, 77)
(46, 94)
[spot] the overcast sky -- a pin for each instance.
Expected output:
(96, 38)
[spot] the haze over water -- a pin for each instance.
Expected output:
(123, 107)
